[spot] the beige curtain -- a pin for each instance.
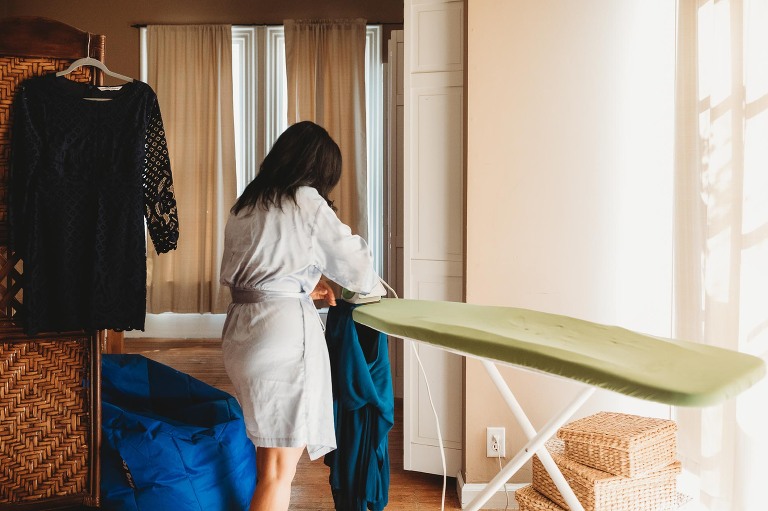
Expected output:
(190, 68)
(721, 256)
(326, 84)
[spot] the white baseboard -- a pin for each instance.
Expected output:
(468, 491)
(174, 325)
(180, 326)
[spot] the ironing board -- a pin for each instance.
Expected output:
(669, 371)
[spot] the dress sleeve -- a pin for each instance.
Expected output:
(342, 256)
(24, 162)
(159, 200)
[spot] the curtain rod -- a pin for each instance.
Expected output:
(144, 25)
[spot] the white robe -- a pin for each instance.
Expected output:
(274, 348)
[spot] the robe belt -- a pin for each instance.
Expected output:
(259, 295)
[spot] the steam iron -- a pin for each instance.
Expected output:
(359, 298)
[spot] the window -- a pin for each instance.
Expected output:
(259, 83)
(258, 68)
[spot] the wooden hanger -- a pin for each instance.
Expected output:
(88, 61)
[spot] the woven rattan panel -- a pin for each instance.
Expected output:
(44, 420)
(10, 285)
(46, 410)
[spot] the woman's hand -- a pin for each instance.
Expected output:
(324, 292)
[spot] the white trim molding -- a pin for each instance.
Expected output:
(468, 491)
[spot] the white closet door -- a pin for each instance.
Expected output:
(433, 220)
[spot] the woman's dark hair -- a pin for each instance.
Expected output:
(304, 155)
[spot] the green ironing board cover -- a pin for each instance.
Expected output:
(668, 371)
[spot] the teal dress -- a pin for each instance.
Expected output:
(363, 412)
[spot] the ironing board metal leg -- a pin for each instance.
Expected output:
(535, 443)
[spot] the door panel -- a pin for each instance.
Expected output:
(433, 221)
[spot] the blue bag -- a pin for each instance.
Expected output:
(171, 441)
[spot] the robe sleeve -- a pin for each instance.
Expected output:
(24, 163)
(159, 200)
(342, 256)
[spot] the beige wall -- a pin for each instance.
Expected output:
(568, 184)
(114, 18)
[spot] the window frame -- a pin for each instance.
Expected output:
(263, 49)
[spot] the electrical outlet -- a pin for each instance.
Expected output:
(495, 443)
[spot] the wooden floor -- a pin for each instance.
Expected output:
(408, 491)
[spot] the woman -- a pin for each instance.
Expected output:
(282, 235)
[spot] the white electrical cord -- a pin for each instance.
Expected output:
(437, 422)
(434, 410)
(384, 283)
(506, 491)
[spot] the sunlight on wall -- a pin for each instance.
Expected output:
(754, 333)
(569, 183)
(732, 95)
(734, 129)
(754, 278)
(714, 19)
(756, 50)
(646, 177)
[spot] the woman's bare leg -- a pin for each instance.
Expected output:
(275, 468)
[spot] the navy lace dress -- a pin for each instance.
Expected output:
(88, 165)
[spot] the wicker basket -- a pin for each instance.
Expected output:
(528, 499)
(621, 444)
(601, 491)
